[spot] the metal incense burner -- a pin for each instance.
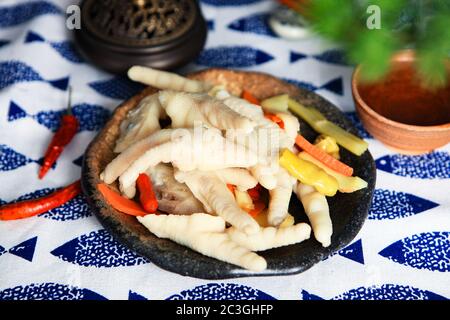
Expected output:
(116, 34)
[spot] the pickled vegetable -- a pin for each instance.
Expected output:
(319, 123)
(328, 144)
(346, 184)
(276, 104)
(309, 173)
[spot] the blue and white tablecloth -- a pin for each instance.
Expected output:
(402, 252)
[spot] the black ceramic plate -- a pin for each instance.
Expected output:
(348, 211)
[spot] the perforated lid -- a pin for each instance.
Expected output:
(116, 34)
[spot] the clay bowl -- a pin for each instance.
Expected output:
(400, 112)
(348, 211)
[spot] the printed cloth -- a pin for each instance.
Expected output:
(402, 252)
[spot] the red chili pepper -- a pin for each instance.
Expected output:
(231, 187)
(120, 203)
(146, 194)
(62, 137)
(247, 95)
(29, 208)
(259, 206)
(255, 192)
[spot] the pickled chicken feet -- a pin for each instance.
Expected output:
(217, 199)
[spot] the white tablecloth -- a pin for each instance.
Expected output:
(402, 252)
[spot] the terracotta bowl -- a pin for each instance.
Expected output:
(399, 112)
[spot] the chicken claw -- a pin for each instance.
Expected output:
(204, 234)
(216, 198)
(121, 163)
(239, 177)
(271, 237)
(140, 122)
(291, 124)
(184, 109)
(190, 150)
(166, 80)
(280, 197)
(318, 212)
(173, 197)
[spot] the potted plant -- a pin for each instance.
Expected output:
(401, 84)
(371, 31)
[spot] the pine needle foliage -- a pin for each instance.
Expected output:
(423, 25)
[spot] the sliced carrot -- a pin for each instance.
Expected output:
(274, 118)
(323, 157)
(146, 194)
(259, 206)
(120, 203)
(250, 97)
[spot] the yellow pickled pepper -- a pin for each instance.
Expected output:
(328, 144)
(308, 173)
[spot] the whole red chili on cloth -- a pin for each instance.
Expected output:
(66, 132)
(29, 208)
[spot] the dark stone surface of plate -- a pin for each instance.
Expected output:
(348, 211)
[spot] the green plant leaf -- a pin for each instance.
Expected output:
(433, 51)
(373, 50)
(332, 18)
(420, 24)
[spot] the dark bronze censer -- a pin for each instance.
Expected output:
(117, 34)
